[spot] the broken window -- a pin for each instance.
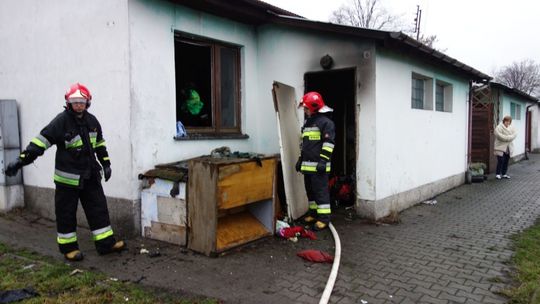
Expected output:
(207, 86)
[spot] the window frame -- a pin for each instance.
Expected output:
(415, 89)
(439, 104)
(515, 108)
(448, 98)
(216, 130)
(427, 91)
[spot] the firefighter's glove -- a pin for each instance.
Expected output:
(298, 165)
(13, 167)
(321, 167)
(107, 173)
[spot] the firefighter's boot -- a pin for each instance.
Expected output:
(309, 219)
(74, 256)
(320, 225)
(118, 246)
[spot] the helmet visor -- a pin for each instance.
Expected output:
(325, 109)
(77, 100)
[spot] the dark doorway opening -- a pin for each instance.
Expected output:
(338, 89)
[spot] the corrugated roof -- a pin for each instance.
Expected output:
(257, 12)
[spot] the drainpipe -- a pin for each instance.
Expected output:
(468, 175)
(528, 128)
(469, 127)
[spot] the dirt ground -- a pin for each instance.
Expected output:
(247, 274)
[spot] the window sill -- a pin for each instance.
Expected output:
(212, 136)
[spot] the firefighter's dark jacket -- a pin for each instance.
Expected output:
(318, 135)
(78, 141)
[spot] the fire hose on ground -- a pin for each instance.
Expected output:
(335, 266)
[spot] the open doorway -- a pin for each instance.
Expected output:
(338, 89)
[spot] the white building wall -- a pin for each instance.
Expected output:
(285, 55)
(416, 147)
(153, 113)
(518, 124)
(535, 125)
(45, 46)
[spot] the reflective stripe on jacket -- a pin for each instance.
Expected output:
(78, 141)
(318, 135)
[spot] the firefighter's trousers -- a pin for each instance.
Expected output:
(94, 204)
(317, 191)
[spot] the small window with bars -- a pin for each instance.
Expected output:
(515, 111)
(418, 93)
(443, 96)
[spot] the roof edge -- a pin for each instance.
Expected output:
(513, 91)
(413, 43)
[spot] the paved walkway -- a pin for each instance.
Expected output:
(455, 251)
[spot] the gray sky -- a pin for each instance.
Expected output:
(485, 34)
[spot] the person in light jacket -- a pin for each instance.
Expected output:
(504, 148)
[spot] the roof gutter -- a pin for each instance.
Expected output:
(300, 22)
(513, 91)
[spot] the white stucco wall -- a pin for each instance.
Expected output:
(45, 46)
(153, 113)
(415, 147)
(535, 125)
(518, 124)
(124, 52)
(268, 53)
(285, 55)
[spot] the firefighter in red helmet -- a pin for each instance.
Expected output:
(314, 162)
(79, 141)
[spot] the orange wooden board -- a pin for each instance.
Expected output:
(245, 183)
(237, 229)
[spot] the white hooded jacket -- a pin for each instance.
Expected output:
(503, 139)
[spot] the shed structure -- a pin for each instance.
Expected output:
(402, 108)
(491, 102)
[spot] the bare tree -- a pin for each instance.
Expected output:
(430, 40)
(370, 14)
(523, 75)
(366, 14)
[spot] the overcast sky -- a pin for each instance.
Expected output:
(485, 34)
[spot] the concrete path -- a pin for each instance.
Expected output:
(455, 251)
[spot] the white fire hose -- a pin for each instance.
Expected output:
(333, 273)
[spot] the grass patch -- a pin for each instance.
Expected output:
(527, 262)
(52, 280)
(495, 280)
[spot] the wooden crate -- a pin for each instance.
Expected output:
(230, 202)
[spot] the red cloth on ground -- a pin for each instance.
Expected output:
(290, 232)
(316, 256)
(308, 234)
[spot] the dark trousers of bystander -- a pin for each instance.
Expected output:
(502, 164)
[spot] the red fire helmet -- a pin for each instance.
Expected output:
(78, 91)
(314, 102)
